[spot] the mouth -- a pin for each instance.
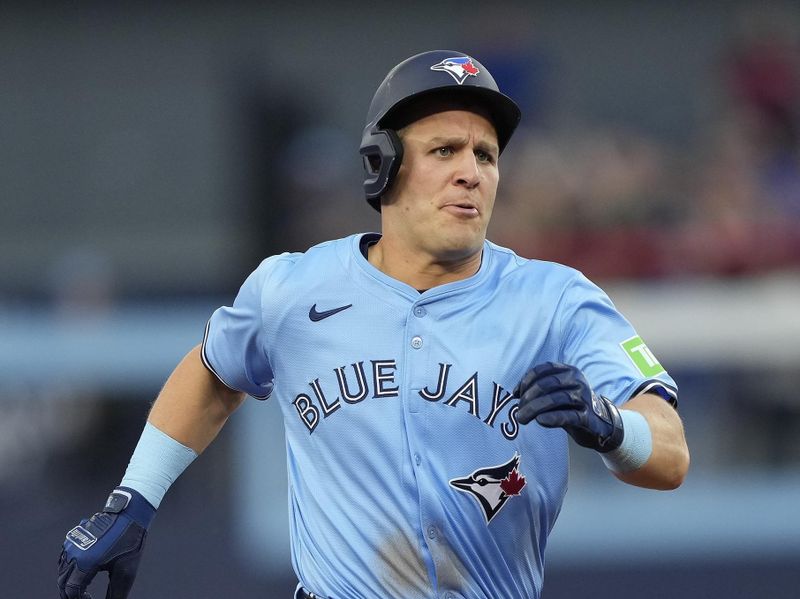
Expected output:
(463, 209)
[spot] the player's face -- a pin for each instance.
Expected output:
(442, 199)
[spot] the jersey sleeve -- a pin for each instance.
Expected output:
(604, 345)
(234, 344)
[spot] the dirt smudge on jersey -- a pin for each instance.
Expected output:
(402, 569)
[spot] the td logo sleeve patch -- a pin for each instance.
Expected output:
(641, 356)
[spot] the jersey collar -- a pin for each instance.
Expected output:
(359, 242)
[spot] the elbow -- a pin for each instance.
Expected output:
(673, 482)
(674, 476)
(684, 468)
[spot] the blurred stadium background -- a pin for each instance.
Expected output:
(153, 153)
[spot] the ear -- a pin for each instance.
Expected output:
(382, 153)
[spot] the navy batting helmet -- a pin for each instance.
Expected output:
(436, 74)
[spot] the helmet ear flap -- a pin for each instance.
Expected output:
(382, 154)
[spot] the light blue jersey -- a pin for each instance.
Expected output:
(409, 475)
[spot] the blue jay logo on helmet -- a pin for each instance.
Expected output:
(458, 67)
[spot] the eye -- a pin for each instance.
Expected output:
(484, 156)
(444, 151)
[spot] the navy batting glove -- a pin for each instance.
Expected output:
(112, 541)
(559, 396)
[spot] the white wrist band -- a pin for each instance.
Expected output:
(155, 464)
(637, 444)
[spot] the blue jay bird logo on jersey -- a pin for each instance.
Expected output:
(492, 487)
(458, 67)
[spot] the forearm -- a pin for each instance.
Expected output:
(187, 415)
(669, 461)
(194, 405)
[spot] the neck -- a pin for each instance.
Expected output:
(420, 270)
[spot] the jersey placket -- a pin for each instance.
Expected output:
(420, 368)
(417, 350)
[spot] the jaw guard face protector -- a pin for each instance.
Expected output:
(441, 75)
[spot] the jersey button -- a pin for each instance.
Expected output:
(419, 311)
(416, 342)
(432, 532)
(417, 459)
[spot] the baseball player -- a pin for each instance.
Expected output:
(429, 380)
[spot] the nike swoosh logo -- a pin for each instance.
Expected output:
(317, 316)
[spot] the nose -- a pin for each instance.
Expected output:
(467, 172)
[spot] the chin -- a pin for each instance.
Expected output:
(459, 247)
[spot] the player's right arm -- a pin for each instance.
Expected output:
(188, 414)
(191, 409)
(194, 405)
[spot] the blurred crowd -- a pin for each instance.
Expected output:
(616, 202)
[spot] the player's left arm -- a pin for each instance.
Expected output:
(668, 463)
(642, 442)
(639, 436)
